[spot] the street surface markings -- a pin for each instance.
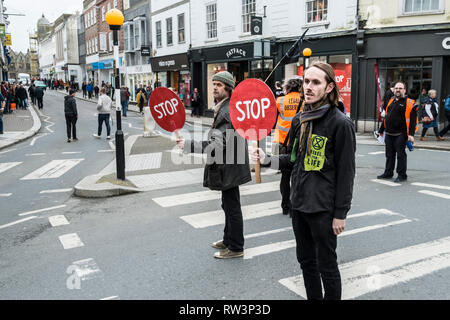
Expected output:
(385, 270)
(72, 152)
(111, 298)
(279, 246)
(52, 170)
(56, 191)
(40, 135)
(387, 183)
(57, 221)
(195, 197)
(376, 153)
(104, 151)
(42, 210)
(87, 269)
(146, 161)
(3, 152)
(5, 195)
(16, 222)
(8, 165)
(70, 241)
(435, 194)
(433, 186)
(217, 217)
(34, 154)
(158, 181)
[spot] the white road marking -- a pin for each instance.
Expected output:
(387, 183)
(5, 195)
(265, 233)
(279, 246)
(57, 221)
(435, 194)
(214, 218)
(56, 191)
(35, 154)
(72, 152)
(42, 210)
(16, 222)
(3, 152)
(374, 212)
(433, 186)
(111, 298)
(37, 137)
(8, 165)
(87, 269)
(376, 153)
(385, 270)
(52, 170)
(195, 197)
(71, 241)
(104, 151)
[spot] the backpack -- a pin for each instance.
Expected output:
(447, 104)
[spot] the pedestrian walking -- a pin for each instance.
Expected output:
(141, 100)
(430, 115)
(447, 115)
(225, 177)
(31, 91)
(124, 100)
(83, 88)
(322, 158)
(71, 113)
(96, 91)
(2, 109)
(400, 125)
(104, 111)
(89, 90)
(196, 102)
(287, 106)
(22, 97)
(39, 93)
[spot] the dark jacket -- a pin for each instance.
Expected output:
(196, 102)
(395, 122)
(21, 93)
(31, 90)
(329, 189)
(224, 170)
(70, 106)
(39, 92)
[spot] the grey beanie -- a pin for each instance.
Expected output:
(225, 77)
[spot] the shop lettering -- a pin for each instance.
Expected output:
(166, 108)
(167, 63)
(255, 108)
(236, 51)
(445, 43)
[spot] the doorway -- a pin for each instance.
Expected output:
(239, 70)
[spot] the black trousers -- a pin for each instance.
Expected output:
(395, 146)
(71, 122)
(233, 234)
(447, 128)
(316, 253)
(40, 103)
(285, 189)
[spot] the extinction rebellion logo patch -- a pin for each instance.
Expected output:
(316, 160)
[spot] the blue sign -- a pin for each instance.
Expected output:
(102, 65)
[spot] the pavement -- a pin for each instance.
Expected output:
(149, 160)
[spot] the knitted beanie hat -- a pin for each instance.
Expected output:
(225, 77)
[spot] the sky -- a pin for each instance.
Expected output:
(20, 27)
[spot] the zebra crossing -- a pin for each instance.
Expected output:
(359, 277)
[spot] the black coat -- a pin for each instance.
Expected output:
(70, 106)
(225, 169)
(39, 92)
(329, 189)
(21, 93)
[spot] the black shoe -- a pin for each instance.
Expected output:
(385, 176)
(400, 179)
(68, 140)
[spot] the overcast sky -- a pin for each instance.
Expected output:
(20, 27)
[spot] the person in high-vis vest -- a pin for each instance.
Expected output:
(288, 106)
(400, 125)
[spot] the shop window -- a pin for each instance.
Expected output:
(342, 65)
(169, 31)
(248, 10)
(421, 6)
(137, 32)
(211, 21)
(316, 11)
(126, 37)
(181, 28)
(158, 34)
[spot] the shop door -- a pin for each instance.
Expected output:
(239, 70)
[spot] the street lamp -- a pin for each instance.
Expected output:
(114, 18)
(307, 52)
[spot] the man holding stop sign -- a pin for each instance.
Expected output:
(227, 166)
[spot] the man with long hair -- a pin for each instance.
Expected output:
(322, 159)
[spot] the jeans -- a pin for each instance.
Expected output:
(103, 118)
(71, 122)
(40, 103)
(436, 131)
(395, 145)
(233, 234)
(316, 253)
(124, 108)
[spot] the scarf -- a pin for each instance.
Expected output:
(218, 106)
(306, 125)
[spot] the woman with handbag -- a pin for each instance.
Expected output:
(430, 115)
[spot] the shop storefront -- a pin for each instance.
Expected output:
(239, 59)
(420, 59)
(338, 51)
(137, 75)
(173, 72)
(102, 71)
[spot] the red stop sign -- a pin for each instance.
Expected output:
(167, 109)
(253, 109)
(341, 79)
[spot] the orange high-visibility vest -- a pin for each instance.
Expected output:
(409, 107)
(287, 108)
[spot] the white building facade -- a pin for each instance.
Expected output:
(47, 50)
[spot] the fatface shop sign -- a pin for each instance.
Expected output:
(446, 43)
(236, 53)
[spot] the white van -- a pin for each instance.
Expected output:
(24, 78)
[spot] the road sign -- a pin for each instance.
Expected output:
(167, 109)
(253, 109)
(8, 41)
